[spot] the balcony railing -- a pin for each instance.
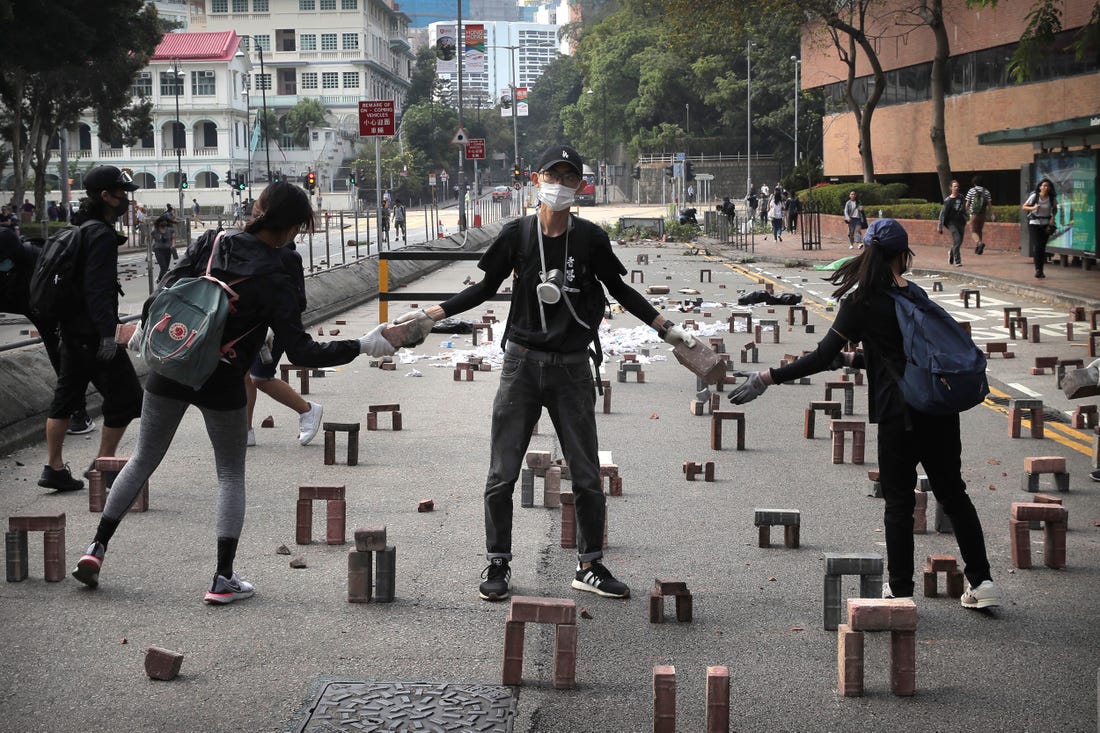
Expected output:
(143, 152)
(110, 152)
(206, 152)
(171, 152)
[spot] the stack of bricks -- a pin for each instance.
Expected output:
(868, 566)
(849, 394)
(1036, 466)
(1016, 408)
(896, 615)
(791, 359)
(464, 371)
(360, 584)
(858, 429)
(539, 463)
(102, 477)
(855, 374)
(750, 354)
(738, 315)
(716, 420)
(1054, 519)
(560, 612)
(832, 409)
(789, 519)
(763, 324)
(999, 347)
(1018, 322)
(475, 328)
(614, 480)
(52, 527)
(1085, 416)
(797, 309)
(395, 416)
(663, 587)
(630, 364)
(303, 376)
(1042, 363)
(330, 429)
(948, 565)
(1063, 366)
(693, 469)
(335, 513)
(664, 699)
(965, 293)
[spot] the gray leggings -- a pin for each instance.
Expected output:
(160, 417)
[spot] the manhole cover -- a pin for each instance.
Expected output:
(410, 706)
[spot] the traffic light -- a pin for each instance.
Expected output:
(277, 176)
(668, 171)
(637, 175)
(311, 181)
(229, 178)
(689, 173)
(517, 174)
(183, 181)
(240, 183)
(352, 179)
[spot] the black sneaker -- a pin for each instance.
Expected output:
(87, 567)
(498, 580)
(80, 423)
(59, 479)
(599, 580)
(1095, 475)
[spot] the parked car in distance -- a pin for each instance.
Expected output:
(501, 192)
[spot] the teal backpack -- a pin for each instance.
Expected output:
(184, 326)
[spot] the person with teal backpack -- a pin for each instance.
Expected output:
(894, 319)
(263, 297)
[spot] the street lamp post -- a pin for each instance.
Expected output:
(263, 99)
(748, 116)
(796, 61)
(603, 149)
(177, 84)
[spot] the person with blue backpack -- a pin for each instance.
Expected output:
(265, 297)
(916, 391)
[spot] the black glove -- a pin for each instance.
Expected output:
(107, 349)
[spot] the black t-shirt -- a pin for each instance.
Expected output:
(873, 322)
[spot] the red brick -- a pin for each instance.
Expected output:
(370, 539)
(538, 459)
(36, 523)
(1045, 464)
(162, 664)
(942, 563)
(512, 673)
(903, 663)
(543, 610)
(1038, 512)
(718, 699)
(666, 587)
(1054, 545)
(336, 522)
(849, 661)
(882, 614)
(565, 657)
(664, 698)
(1020, 542)
(322, 492)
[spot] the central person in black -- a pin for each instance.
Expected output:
(559, 265)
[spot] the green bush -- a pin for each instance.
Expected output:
(678, 232)
(831, 198)
(910, 201)
(931, 211)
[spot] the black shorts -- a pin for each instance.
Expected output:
(115, 380)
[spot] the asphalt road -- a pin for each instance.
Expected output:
(73, 657)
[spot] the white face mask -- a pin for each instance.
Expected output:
(555, 196)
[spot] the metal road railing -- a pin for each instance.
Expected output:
(384, 294)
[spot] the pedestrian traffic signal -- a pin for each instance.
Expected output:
(637, 175)
(668, 171)
(689, 173)
(240, 183)
(183, 181)
(277, 176)
(229, 178)
(311, 181)
(351, 179)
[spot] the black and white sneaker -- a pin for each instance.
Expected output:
(224, 591)
(80, 423)
(498, 580)
(87, 567)
(599, 580)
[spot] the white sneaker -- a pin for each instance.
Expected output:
(251, 439)
(309, 423)
(851, 246)
(984, 596)
(224, 590)
(886, 592)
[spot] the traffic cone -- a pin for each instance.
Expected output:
(477, 213)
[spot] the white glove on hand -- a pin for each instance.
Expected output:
(134, 344)
(107, 348)
(677, 335)
(423, 321)
(375, 344)
(748, 390)
(265, 347)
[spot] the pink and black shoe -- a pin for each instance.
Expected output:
(87, 567)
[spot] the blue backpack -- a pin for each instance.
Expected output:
(944, 371)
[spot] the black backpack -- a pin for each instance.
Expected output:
(53, 288)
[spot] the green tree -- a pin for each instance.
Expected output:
(307, 113)
(422, 82)
(49, 78)
(1044, 21)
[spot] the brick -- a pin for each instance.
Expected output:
(322, 492)
(360, 581)
(1054, 545)
(942, 563)
(551, 488)
(564, 675)
(1020, 542)
(776, 516)
(18, 565)
(543, 610)
(1023, 511)
(512, 673)
(684, 607)
(568, 521)
(385, 574)
(1045, 464)
(664, 698)
(37, 523)
(336, 522)
(539, 459)
(668, 587)
(425, 505)
(718, 699)
(882, 614)
(903, 663)
(849, 661)
(370, 539)
(53, 551)
(861, 563)
(162, 664)
(656, 608)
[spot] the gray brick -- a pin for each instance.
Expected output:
(853, 563)
(782, 517)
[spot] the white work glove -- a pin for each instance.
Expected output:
(375, 344)
(265, 347)
(753, 386)
(134, 344)
(107, 348)
(423, 321)
(676, 334)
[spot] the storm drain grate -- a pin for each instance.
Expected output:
(410, 706)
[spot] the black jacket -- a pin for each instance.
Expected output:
(97, 270)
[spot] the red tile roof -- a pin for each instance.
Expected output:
(197, 46)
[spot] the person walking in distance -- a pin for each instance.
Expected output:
(399, 221)
(853, 215)
(953, 216)
(559, 265)
(89, 352)
(978, 203)
(266, 299)
(1041, 207)
(906, 436)
(162, 247)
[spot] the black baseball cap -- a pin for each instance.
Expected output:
(561, 154)
(889, 235)
(108, 178)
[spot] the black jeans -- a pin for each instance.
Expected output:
(528, 383)
(934, 442)
(1038, 234)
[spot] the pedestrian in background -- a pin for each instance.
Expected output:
(266, 299)
(978, 203)
(558, 265)
(953, 217)
(399, 221)
(163, 248)
(775, 211)
(89, 352)
(794, 208)
(906, 436)
(853, 217)
(1041, 207)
